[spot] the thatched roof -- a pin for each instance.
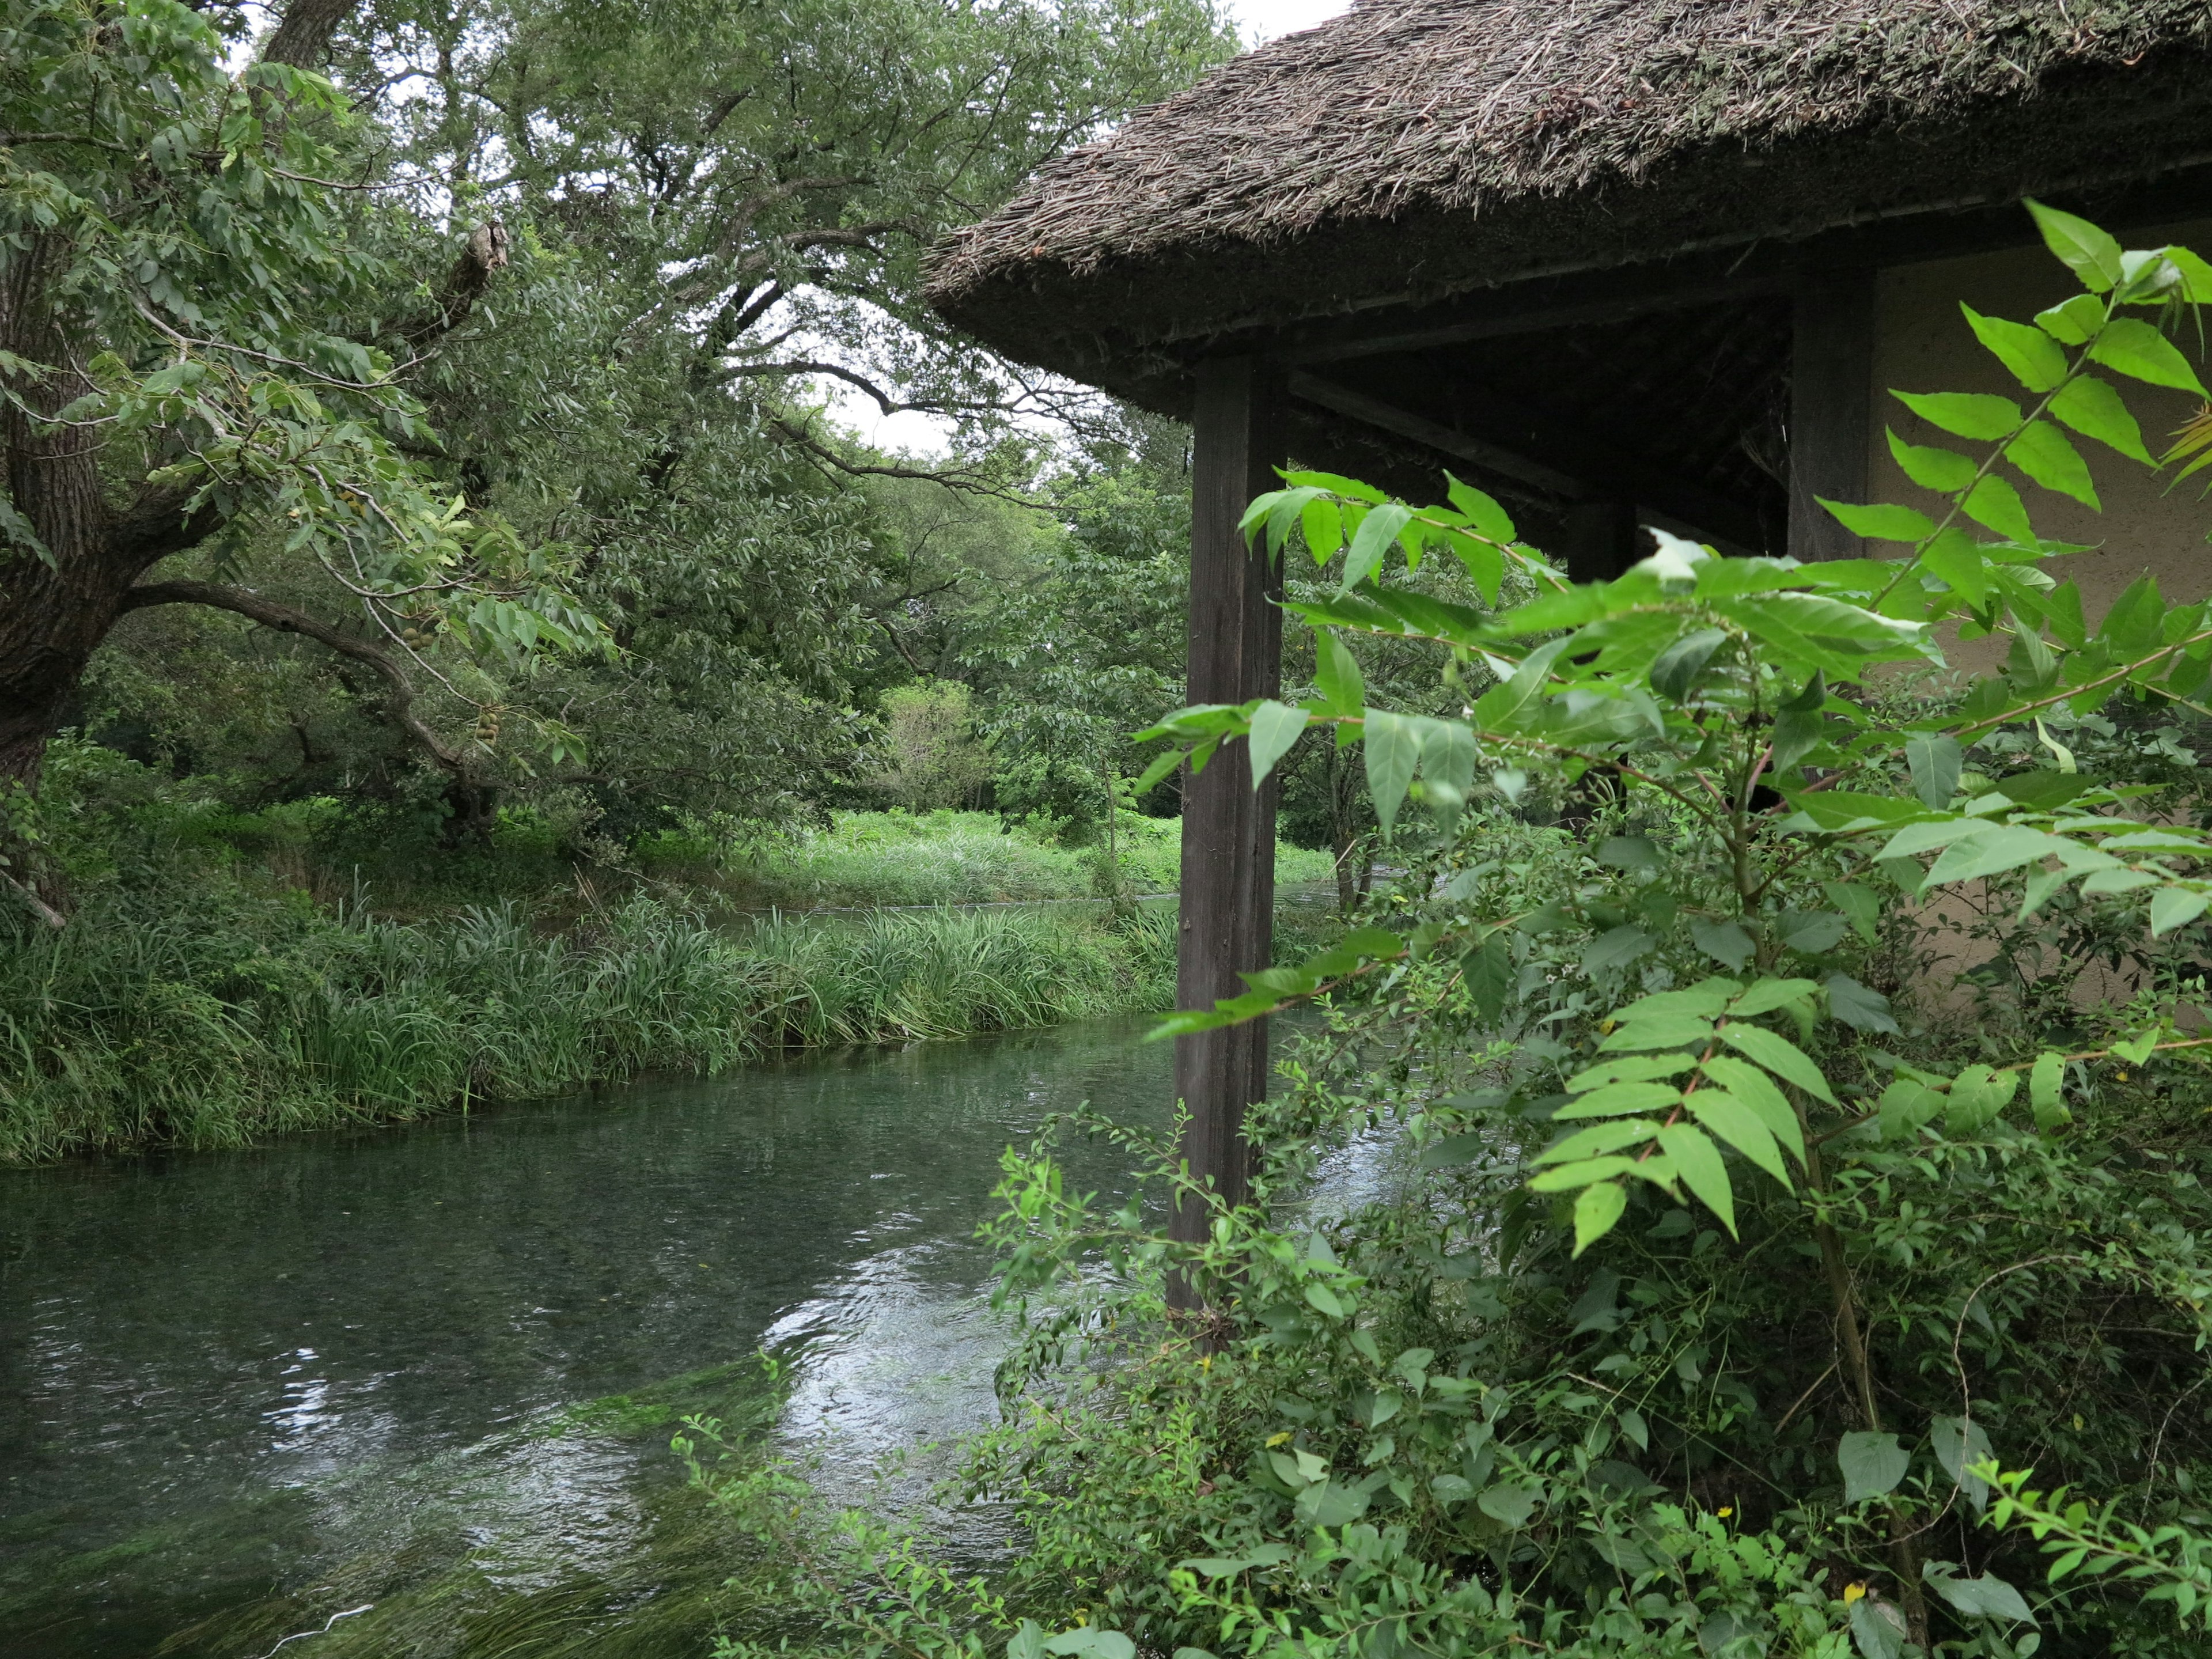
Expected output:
(1413, 149)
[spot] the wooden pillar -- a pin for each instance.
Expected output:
(1228, 829)
(1601, 539)
(1831, 377)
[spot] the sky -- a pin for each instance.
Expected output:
(1257, 21)
(1263, 20)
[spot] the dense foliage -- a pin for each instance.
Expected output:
(1727, 1276)
(463, 367)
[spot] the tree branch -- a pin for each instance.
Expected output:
(399, 696)
(485, 252)
(305, 34)
(957, 479)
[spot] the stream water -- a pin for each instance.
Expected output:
(286, 1378)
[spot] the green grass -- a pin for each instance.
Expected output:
(217, 1016)
(870, 858)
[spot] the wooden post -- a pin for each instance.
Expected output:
(1831, 376)
(1228, 829)
(1601, 539)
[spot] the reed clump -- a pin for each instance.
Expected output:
(223, 1015)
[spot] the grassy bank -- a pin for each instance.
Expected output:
(940, 858)
(220, 1015)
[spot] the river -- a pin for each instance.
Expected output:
(242, 1392)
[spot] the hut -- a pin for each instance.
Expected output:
(1621, 262)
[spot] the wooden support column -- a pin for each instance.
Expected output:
(1831, 376)
(1601, 539)
(1228, 829)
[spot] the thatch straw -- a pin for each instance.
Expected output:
(1416, 147)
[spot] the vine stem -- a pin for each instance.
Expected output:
(1903, 1552)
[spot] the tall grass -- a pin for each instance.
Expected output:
(224, 1016)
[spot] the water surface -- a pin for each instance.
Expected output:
(226, 1378)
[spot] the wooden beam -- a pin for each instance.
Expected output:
(1603, 473)
(1831, 390)
(1433, 435)
(1497, 313)
(1227, 915)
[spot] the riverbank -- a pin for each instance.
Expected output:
(221, 1016)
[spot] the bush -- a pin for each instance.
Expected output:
(1730, 1284)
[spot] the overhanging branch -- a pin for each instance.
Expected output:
(398, 694)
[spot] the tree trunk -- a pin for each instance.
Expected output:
(59, 600)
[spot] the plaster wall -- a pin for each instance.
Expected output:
(1923, 344)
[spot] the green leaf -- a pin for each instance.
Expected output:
(1324, 525)
(1747, 1084)
(1666, 1031)
(1162, 765)
(2005, 846)
(1629, 853)
(1765, 995)
(1877, 1629)
(2094, 408)
(2134, 348)
(1705, 999)
(1905, 1105)
(1979, 1095)
(1986, 1597)
(1336, 675)
(2071, 322)
(1484, 515)
(1615, 948)
(1958, 1445)
(2046, 1092)
(1741, 1127)
(1392, 745)
(1599, 1140)
(1620, 1100)
(1943, 470)
(2175, 907)
(1811, 932)
(1699, 1164)
(1323, 1300)
(1573, 1177)
(1331, 1503)
(1873, 1464)
(1862, 907)
(1508, 1503)
(1995, 504)
(1778, 1055)
(1487, 971)
(1275, 727)
(2088, 251)
(2043, 792)
(1084, 1643)
(1336, 484)
(1676, 669)
(1629, 1069)
(1723, 941)
(1934, 760)
(1882, 522)
(2032, 355)
(1961, 562)
(1376, 531)
(1859, 1007)
(1964, 414)
(2044, 453)
(1596, 1210)
(1485, 564)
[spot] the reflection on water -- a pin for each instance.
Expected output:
(220, 1373)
